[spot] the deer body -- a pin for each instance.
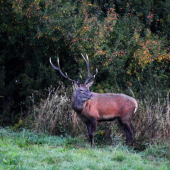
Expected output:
(95, 107)
(104, 107)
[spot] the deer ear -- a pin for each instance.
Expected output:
(75, 86)
(89, 84)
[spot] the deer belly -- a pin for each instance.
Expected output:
(108, 111)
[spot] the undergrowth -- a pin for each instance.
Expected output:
(151, 121)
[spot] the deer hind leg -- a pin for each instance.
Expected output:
(128, 131)
(127, 127)
(132, 128)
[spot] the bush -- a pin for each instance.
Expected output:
(151, 121)
(55, 114)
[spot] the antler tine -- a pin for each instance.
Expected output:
(93, 77)
(88, 69)
(96, 73)
(87, 64)
(58, 68)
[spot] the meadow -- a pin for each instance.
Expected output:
(28, 150)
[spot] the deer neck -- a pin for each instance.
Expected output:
(77, 103)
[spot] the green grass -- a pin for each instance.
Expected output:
(26, 150)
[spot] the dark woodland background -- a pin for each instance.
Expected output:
(128, 41)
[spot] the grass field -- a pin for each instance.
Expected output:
(27, 150)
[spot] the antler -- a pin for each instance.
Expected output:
(61, 71)
(88, 69)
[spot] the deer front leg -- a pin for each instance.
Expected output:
(93, 129)
(88, 124)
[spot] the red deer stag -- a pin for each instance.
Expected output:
(95, 107)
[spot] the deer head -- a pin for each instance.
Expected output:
(81, 90)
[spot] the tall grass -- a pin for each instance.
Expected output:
(56, 116)
(151, 121)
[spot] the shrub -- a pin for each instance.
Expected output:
(151, 122)
(55, 114)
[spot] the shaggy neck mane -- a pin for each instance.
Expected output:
(77, 104)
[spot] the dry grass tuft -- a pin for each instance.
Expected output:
(151, 121)
(56, 115)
